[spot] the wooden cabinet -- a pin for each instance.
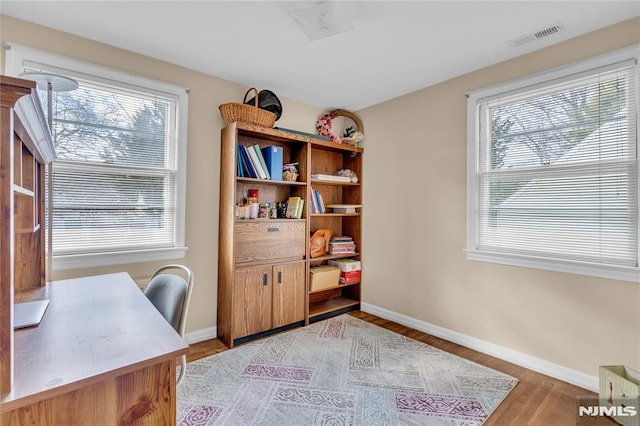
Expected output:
(263, 264)
(25, 149)
(268, 297)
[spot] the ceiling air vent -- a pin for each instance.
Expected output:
(537, 35)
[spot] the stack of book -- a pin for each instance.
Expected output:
(260, 163)
(294, 208)
(341, 245)
(317, 204)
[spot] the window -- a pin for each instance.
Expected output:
(119, 178)
(553, 170)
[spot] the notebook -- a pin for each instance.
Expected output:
(29, 314)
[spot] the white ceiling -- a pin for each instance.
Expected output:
(394, 48)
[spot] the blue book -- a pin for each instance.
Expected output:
(251, 172)
(273, 159)
(240, 167)
(316, 196)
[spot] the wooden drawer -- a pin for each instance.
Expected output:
(269, 240)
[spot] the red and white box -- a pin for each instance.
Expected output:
(349, 277)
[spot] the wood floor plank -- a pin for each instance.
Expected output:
(536, 400)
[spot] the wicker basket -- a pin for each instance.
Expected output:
(231, 112)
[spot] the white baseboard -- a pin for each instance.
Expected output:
(536, 364)
(201, 335)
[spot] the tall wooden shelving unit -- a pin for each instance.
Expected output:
(25, 149)
(263, 264)
(328, 158)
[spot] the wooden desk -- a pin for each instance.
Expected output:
(102, 355)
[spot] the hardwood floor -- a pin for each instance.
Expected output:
(536, 400)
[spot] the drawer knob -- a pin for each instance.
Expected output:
(272, 229)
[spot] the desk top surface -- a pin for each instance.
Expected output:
(94, 328)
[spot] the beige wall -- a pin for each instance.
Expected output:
(203, 156)
(415, 173)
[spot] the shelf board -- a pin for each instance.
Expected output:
(333, 256)
(332, 146)
(280, 219)
(334, 183)
(284, 136)
(23, 191)
(30, 230)
(333, 288)
(334, 214)
(331, 305)
(270, 182)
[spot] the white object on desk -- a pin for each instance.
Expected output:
(29, 314)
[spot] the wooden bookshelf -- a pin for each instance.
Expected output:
(250, 263)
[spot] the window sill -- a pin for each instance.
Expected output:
(77, 261)
(621, 273)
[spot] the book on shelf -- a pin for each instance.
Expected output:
(344, 208)
(333, 250)
(313, 206)
(261, 161)
(341, 245)
(300, 206)
(273, 159)
(260, 174)
(341, 238)
(317, 199)
(331, 178)
(294, 208)
(247, 166)
(239, 161)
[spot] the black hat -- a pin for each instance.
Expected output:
(269, 101)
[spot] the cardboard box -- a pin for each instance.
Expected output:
(349, 277)
(346, 265)
(620, 391)
(323, 276)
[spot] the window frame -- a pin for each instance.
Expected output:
(474, 97)
(18, 56)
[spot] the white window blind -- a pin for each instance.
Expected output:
(114, 177)
(119, 179)
(555, 171)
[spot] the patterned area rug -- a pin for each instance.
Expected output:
(341, 371)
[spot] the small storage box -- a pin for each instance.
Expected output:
(620, 387)
(324, 276)
(346, 265)
(350, 277)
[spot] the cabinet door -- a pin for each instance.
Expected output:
(288, 293)
(252, 301)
